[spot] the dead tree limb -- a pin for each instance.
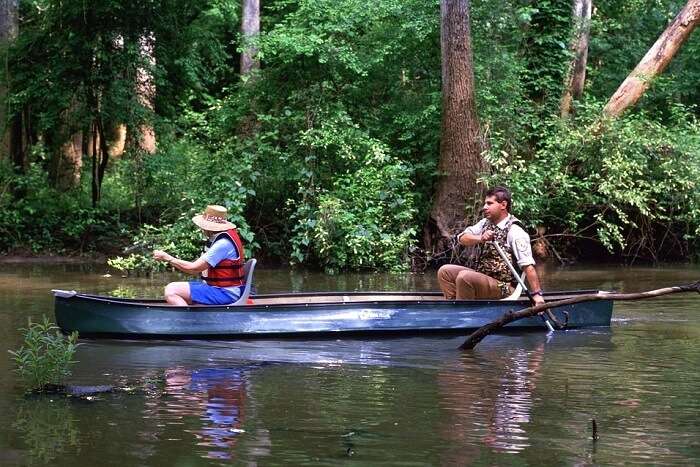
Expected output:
(478, 335)
(655, 60)
(576, 76)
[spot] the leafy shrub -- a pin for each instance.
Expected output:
(364, 219)
(46, 356)
(632, 183)
(189, 174)
(36, 217)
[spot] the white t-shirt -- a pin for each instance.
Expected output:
(518, 240)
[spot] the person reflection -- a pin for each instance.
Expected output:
(513, 403)
(489, 402)
(217, 396)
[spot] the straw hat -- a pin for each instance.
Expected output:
(213, 219)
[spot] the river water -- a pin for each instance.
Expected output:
(516, 399)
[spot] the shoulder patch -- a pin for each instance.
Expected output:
(521, 244)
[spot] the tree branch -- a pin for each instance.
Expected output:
(478, 335)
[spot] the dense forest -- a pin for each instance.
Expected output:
(328, 128)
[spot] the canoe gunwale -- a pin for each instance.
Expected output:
(157, 303)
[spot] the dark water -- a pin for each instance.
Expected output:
(516, 399)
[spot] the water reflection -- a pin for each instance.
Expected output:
(402, 401)
(489, 401)
(513, 404)
(47, 428)
(216, 396)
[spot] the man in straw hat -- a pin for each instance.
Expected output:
(221, 264)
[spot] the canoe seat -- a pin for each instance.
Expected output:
(518, 290)
(248, 269)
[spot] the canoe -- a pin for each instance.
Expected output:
(306, 314)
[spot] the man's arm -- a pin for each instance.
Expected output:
(188, 267)
(533, 282)
(475, 234)
(468, 239)
(520, 244)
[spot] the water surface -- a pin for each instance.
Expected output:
(517, 399)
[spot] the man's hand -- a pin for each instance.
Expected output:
(538, 299)
(160, 255)
(486, 236)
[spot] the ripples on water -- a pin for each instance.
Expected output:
(518, 398)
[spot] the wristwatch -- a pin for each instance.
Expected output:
(537, 292)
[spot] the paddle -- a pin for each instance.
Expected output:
(477, 336)
(522, 283)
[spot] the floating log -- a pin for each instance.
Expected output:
(478, 335)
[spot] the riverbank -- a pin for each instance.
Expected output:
(53, 259)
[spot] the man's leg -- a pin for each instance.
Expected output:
(178, 293)
(471, 284)
(447, 278)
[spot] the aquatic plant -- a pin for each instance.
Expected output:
(45, 357)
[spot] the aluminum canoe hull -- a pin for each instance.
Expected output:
(411, 313)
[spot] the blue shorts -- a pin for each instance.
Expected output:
(204, 294)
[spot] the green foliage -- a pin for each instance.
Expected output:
(327, 155)
(46, 356)
(363, 221)
(621, 33)
(37, 218)
(194, 176)
(633, 183)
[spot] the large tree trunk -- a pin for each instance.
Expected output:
(250, 28)
(68, 162)
(8, 32)
(576, 76)
(67, 152)
(461, 146)
(146, 90)
(655, 61)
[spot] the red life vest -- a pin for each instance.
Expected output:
(229, 272)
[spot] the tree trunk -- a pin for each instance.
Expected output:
(146, 90)
(576, 75)
(8, 32)
(116, 140)
(250, 28)
(655, 61)
(68, 162)
(67, 152)
(461, 146)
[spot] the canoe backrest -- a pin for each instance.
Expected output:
(248, 269)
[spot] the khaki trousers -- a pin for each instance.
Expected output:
(458, 282)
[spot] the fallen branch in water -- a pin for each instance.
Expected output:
(478, 335)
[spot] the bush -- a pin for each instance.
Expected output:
(38, 218)
(184, 177)
(46, 356)
(365, 218)
(632, 183)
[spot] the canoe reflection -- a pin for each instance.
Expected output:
(217, 396)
